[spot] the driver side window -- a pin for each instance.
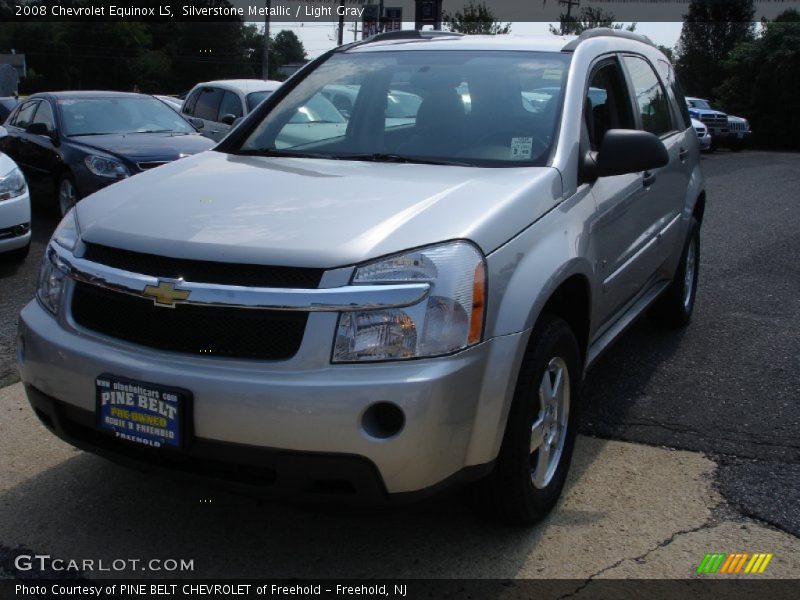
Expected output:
(24, 116)
(607, 104)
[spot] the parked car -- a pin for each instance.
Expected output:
(174, 103)
(715, 120)
(740, 132)
(377, 312)
(401, 107)
(7, 104)
(15, 211)
(71, 144)
(214, 106)
(703, 136)
(727, 130)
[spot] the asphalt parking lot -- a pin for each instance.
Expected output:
(690, 442)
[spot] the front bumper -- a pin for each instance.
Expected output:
(15, 221)
(454, 406)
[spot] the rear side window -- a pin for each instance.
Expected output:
(651, 99)
(207, 106)
(190, 103)
(24, 116)
(230, 105)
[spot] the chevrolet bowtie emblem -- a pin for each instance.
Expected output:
(166, 294)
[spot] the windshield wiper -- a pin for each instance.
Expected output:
(399, 158)
(281, 153)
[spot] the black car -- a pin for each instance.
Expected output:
(74, 143)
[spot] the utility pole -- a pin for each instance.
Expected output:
(341, 23)
(265, 57)
(569, 4)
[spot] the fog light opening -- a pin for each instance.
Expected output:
(383, 420)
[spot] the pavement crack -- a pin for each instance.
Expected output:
(711, 522)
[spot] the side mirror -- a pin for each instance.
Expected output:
(228, 119)
(236, 121)
(43, 130)
(625, 151)
(37, 129)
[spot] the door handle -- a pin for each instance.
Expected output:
(648, 179)
(683, 154)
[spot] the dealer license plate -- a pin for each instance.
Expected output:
(142, 413)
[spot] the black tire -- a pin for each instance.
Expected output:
(66, 179)
(16, 256)
(674, 308)
(508, 492)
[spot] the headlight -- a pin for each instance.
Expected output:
(106, 167)
(448, 320)
(51, 281)
(54, 272)
(12, 185)
(67, 233)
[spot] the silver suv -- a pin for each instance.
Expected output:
(375, 309)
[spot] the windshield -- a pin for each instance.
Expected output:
(97, 116)
(256, 98)
(701, 104)
(495, 108)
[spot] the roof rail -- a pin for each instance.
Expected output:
(411, 34)
(403, 34)
(606, 32)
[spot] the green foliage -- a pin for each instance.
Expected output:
(288, 47)
(158, 57)
(475, 19)
(588, 18)
(760, 83)
(668, 52)
(711, 29)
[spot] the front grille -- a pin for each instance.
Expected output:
(203, 271)
(187, 328)
(714, 119)
(737, 126)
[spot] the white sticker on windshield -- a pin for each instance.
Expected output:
(521, 148)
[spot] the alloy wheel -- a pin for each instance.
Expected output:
(549, 429)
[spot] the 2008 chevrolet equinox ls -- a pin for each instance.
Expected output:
(373, 303)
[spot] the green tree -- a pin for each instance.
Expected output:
(711, 29)
(475, 19)
(758, 82)
(668, 52)
(288, 48)
(588, 18)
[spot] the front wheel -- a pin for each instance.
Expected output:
(674, 308)
(536, 451)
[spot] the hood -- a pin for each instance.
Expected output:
(698, 124)
(699, 112)
(737, 119)
(312, 212)
(146, 146)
